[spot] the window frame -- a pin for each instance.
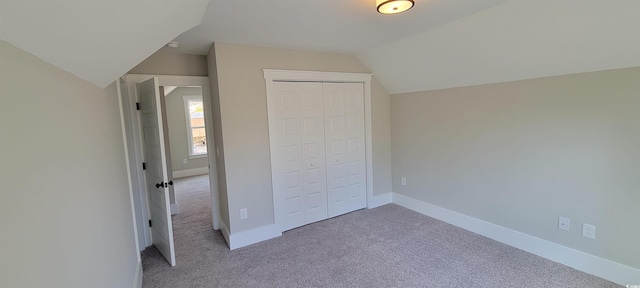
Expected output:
(186, 99)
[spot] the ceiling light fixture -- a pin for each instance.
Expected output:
(173, 44)
(393, 6)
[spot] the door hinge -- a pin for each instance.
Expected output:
(150, 223)
(137, 105)
(144, 166)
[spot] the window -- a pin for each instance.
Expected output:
(196, 135)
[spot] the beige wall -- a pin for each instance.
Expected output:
(65, 209)
(167, 62)
(176, 118)
(244, 124)
(520, 154)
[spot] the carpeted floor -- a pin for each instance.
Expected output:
(389, 246)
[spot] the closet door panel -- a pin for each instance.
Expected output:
(299, 171)
(288, 155)
(335, 144)
(312, 139)
(344, 117)
(356, 176)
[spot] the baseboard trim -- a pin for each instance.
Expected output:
(379, 200)
(174, 209)
(579, 260)
(190, 172)
(246, 238)
(137, 281)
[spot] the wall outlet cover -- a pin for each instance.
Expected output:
(588, 231)
(564, 223)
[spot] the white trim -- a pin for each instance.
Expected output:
(579, 260)
(273, 75)
(174, 209)
(368, 141)
(246, 238)
(198, 156)
(190, 172)
(137, 281)
(315, 76)
(379, 200)
(134, 173)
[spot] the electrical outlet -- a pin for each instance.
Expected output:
(243, 213)
(564, 223)
(184, 161)
(403, 181)
(588, 231)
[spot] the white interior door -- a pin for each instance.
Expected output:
(345, 147)
(156, 171)
(298, 163)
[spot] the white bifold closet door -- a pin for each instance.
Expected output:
(317, 149)
(299, 172)
(344, 140)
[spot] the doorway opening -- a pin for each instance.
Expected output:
(185, 128)
(184, 110)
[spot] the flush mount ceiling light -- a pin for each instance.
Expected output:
(173, 44)
(393, 6)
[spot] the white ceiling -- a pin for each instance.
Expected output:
(96, 40)
(520, 39)
(344, 26)
(437, 44)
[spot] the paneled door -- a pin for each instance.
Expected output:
(298, 149)
(157, 171)
(345, 147)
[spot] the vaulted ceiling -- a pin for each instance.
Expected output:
(437, 44)
(519, 39)
(96, 40)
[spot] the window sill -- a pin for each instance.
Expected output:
(198, 156)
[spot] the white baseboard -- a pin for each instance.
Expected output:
(579, 260)
(253, 236)
(190, 172)
(137, 281)
(379, 200)
(174, 209)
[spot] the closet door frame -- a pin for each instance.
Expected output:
(272, 76)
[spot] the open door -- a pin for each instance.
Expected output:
(157, 173)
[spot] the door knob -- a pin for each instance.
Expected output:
(165, 184)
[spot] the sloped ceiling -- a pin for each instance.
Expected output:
(343, 26)
(520, 39)
(96, 40)
(437, 44)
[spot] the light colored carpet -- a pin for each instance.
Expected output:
(389, 246)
